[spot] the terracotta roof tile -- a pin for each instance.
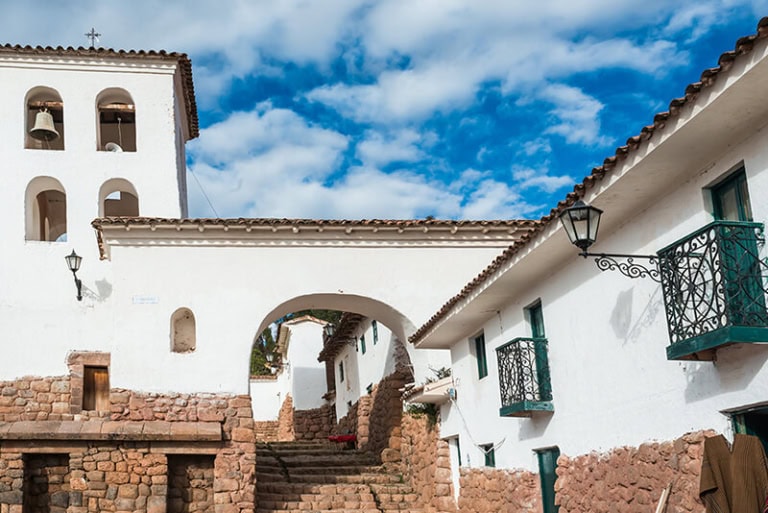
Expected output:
(185, 67)
(344, 332)
(255, 222)
(743, 46)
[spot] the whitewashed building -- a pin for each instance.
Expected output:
(361, 352)
(552, 355)
(297, 373)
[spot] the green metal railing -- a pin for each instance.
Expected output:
(524, 381)
(714, 278)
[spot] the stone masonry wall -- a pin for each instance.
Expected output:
(384, 416)
(631, 479)
(314, 424)
(33, 398)
(375, 418)
(111, 476)
(285, 421)
(427, 464)
(490, 489)
(265, 430)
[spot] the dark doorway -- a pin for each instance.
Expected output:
(190, 483)
(46, 483)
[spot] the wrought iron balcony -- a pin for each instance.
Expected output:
(524, 377)
(714, 286)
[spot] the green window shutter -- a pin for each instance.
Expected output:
(375, 327)
(730, 199)
(482, 361)
(547, 465)
(341, 371)
(536, 317)
(362, 344)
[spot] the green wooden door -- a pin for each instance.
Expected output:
(547, 475)
(740, 263)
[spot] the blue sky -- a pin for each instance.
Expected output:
(407, 108)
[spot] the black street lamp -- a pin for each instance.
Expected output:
(73, 262)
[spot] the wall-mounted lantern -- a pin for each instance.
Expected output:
(581, 223)
(73, 262)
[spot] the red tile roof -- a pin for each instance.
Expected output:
(524, 224)
(342, 335)
(185, 67)
(708, 77)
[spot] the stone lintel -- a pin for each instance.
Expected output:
(95, 430)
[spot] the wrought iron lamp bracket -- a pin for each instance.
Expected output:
(626, 264)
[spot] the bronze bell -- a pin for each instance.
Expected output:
(44, 129)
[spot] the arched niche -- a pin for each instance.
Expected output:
(183, 336)
(44, 99)
(45, 203)
(118, 197)
(116, 119)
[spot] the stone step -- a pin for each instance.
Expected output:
(311, 488)
(332, 458)
(331, 479)
(315, 497)
(354, 510)
(329, 469)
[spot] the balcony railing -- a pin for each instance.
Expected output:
(714, 286)
(524, 377)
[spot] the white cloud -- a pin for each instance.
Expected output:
(576, 113)
(527, 178)
(379, 149)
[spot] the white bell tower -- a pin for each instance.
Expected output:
(84, 133)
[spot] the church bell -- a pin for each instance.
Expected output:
(44, 129)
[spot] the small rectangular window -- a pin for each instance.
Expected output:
(490, 455)
(375, 327)
(341, 372)
(362, 344)
(482, 362)
(95, 388)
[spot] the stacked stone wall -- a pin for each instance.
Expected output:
(383, 415)
(46, 483)
(631, 479)
(375, 418)
(314, 424)
(491, 489)
(285, 421)
(427, 464)
(34, 398)
(348, 423)
(266, 430)
(190, 483)
(124, 476)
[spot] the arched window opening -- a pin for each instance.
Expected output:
(183, 338)
(118, 197)
(117, 121)
(46, 210)
(44, 128)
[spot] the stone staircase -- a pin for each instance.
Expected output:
(320, 477)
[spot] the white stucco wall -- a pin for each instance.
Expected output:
(611, 381)
(267, 396)
(307, 375)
